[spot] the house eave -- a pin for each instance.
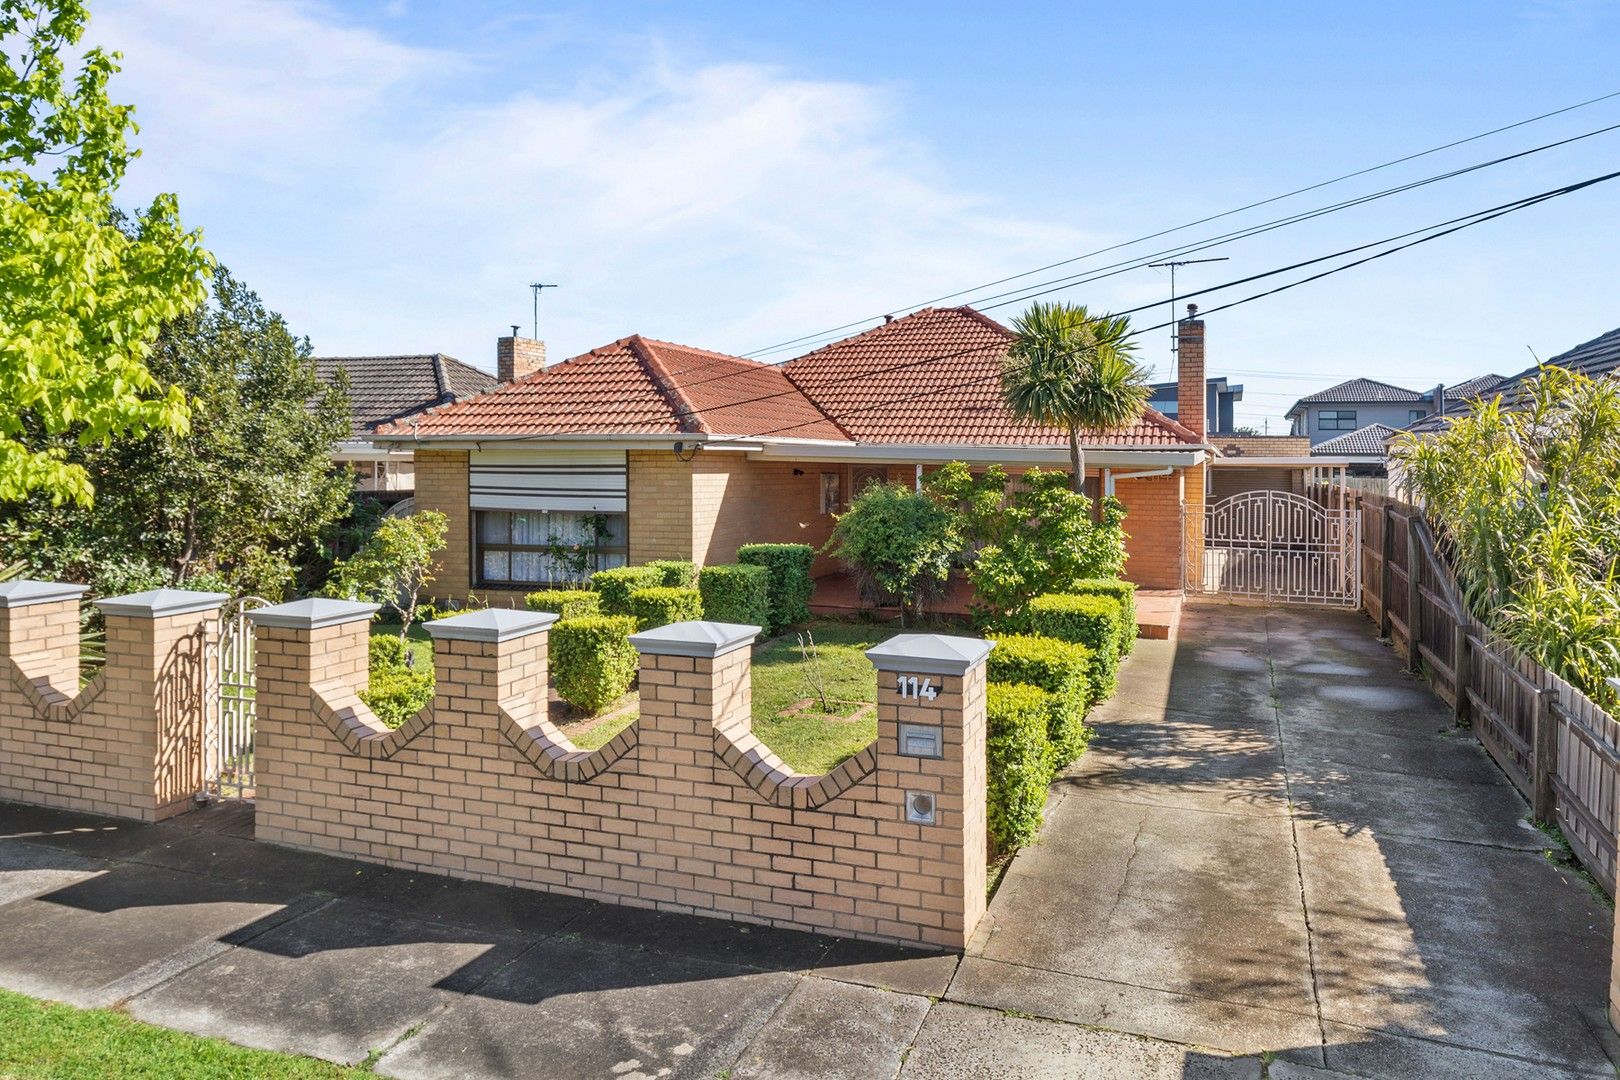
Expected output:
(980, 454)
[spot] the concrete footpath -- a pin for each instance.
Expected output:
(1277, 860)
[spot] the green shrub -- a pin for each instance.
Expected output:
(1125, 593)
(663, 605)
(674, 573)
(592, 660)
(397, 692)
(565, 603)
(1092, 621)
(1019, 762)
(1063, 670)
(791, 583)
(615, 586)
(385, 651)
(899, 545)
(734, 593)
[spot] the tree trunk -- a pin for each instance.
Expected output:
(1077, 463)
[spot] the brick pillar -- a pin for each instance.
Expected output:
(485, 658)
(39, 629)
(695, 678)
(931, 751)
(159, 689)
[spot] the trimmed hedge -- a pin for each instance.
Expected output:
(675, 573)
(385, 651)
(565, 603)
(1092, 621)
(791, 584)
(1125, 593)
(592, 660)
(1019, 762)
(397, 692)
(733, 593)
(664, 605)
(615, 586)
(1063, 670)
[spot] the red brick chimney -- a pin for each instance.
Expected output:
(1191, 389)
(516, 356)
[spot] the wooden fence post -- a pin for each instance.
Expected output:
(1414, 621)
(1385, 629)
(1544, 759)
(1462, 665)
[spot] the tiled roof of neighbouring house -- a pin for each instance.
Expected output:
(934, 377)
(1367, 440)
(1595, 358)
(388, 388)
(1472, 389)
(1356, 391)
(931, 377)
(641, 387)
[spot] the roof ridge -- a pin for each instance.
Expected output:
(687, 416)
(879, 328)
(1153, 415)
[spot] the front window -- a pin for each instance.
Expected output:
(546, 547)
(1336, 420)
(1414, 415)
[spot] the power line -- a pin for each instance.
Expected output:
(1200, 221)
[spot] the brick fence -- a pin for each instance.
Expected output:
(683, 811)
(128, 743)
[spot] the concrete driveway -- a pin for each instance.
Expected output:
(1276, 860)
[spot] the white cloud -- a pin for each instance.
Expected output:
(727, 204)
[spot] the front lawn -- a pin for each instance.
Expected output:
(40, 1040)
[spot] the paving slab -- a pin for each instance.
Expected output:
(830, 1030)
(105, 938)
(1475, 946)
(475, 904)
(1381, 1056)
(286, 871)
(1186, 760)
(83, 834)
(961, 1041)
(725, 941)
(888, 967)
(1160, 1014)
(29, 869)
(574, 1008)
(337, 983)
(1354, 798)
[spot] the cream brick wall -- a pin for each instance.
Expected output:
(684, 811)
(1153, 520)
(660, 506)
(441, 484)
(129, 743)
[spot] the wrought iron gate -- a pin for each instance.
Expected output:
(1282, 548)
(228, 745)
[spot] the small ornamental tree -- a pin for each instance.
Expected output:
(82, 292)
(899, 544)
(394, 565)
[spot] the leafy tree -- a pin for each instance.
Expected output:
(242, 495)
(1073, 370)
(1036, 537)
(81, 298)
(898, 543)
(394, 566)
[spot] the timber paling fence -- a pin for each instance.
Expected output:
(1554, 743)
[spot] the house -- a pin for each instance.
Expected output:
(1364, 448)
(643, 449)
(1361, 403)
(1220, 397)
(388, 389)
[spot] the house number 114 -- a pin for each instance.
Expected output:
(912, 687)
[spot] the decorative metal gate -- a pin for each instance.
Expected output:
(1282, 548)
(228, 746)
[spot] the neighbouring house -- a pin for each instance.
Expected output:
(1220, 397)
(1363, 448)
(643, 449)
(1361, 403)
(389, 389)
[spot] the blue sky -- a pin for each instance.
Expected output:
(391, 175)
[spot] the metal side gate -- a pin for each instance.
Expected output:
(228, 744)
(1281, 548)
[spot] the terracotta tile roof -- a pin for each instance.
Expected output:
(934, 377)
(636, 386)
(387, 388)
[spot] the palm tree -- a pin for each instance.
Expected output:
(1072, 369)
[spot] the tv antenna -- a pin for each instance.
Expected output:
(1172, 264)
(536, 286)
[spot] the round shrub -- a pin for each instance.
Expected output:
(733, 593)
(1092, 621)
(899, 545)
(615, 586)
(1125, 593)
(790, 585)
(1063, 670)
(592, 660)
(565, 603)
(385, 651)
(397, 693)
(664, 605)
(675, 573)
(1019, 762)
